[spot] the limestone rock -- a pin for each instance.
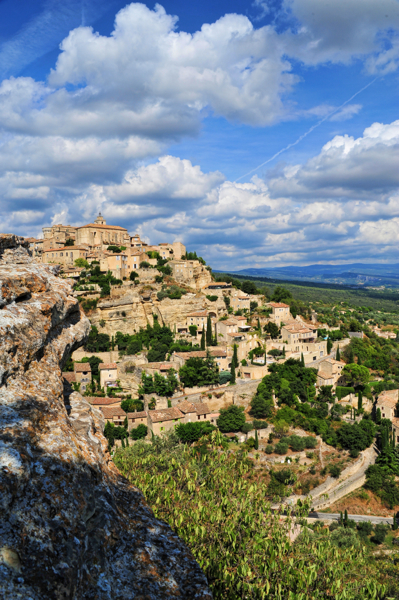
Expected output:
(71, 527)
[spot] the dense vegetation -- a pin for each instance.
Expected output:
(216, 504)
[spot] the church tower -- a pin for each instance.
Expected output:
(100, 220)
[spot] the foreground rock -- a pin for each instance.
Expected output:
(70, 526)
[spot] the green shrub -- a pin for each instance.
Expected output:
(247, 427)
(335, 471)
(139, 432)
(231, 419)
(380, 532)
(310, 442)
(259, 424)
(212, 298)
(269, 449)
(297, 443)
(191, 432)
(281, 448)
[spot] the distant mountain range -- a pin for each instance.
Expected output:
(353, 274)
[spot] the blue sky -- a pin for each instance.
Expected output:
(161, 116)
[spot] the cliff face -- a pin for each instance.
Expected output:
(70, 526)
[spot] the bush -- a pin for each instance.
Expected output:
(247, 427)
(310, 442)
(258, 424)
(297, 443)
(191, 432)
(269, 449)
(380, 532)
(133, 275)
(281, 448)
(145, 265)
(139, 432)
(354, 453)
(231, 419)
(193, 330)
(345, 538)
(335, 471)
(380, 481)
(212, 298)
(364, 528)
(224, 377)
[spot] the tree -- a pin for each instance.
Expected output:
(249, 287)
(259, 329)
(283, 352)
(139, 432)
(338, 354)
(355, 375)
(198, 372)
(232, 372)
(231, 419)
(253, 305)
(209, 339)
(82, 263)
(256, 446)
(203, 339)
(133, 275)
(302, 360)
(193, 330)
(215, 343)
(329, 346)
(359, 400)
(272, 329)
(192, 432)
(325, 394)
(235, 356)
(69, 242)
(281, 294)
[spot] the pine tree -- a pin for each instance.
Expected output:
(256, 447)
(338, 354)
(203, 339)
(359, 400)
(209, 331)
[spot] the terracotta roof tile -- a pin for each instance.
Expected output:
(69, 377)
(112, 411)
(140, 414)
(82, 367)
(186, 407)
(107, 366)
(202, 408)
(166, 414)
(96, 400)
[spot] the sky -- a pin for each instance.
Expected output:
(260, 133)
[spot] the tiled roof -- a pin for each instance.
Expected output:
(201, 313)
(235, 334)
(228, 322)
(388, 398)
(96, 400)
(82, 367)
(158, 365)
(202, 408)
(140, 414)
(324, 375)
(201, 353)
(69, 377)
(97, 226)
(186, 407)
(278, 305)
(107, 366)
(112, 411)
(166, 414)
(66, 248)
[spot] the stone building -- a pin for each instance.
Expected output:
(83, 375)
(190, 272)
(386, 402)
(65, 255)
(280, 313)
(101, 233)
(59, 232)
(114, 414)
(330, 372)
(108, 374)
(240, 301)
(160, 421)
(134, 419)
(105, 402)
(298, 332)
(219, 354)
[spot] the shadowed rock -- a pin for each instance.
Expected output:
(71, 527)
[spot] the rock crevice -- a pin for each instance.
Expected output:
(71, 527)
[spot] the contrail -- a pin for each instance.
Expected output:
(301, 137)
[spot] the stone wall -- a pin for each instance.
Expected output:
(70, 525)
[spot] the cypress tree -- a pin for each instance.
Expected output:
(395, 522)
(258, 324)
(233, 372)
(256, 447)
(359, 400)
(235, 357)
(302, 360)
(341, 521)
(123, 442)
(127, 441)
(216, 336)
(284, 351)
(346, 518)
(203, 339)
(359, 360)
(209, 331)
(378, 416)
(329, 346)
(338, 354)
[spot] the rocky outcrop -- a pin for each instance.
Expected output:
(71, 527)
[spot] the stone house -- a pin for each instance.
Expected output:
(280, 312)
(253, 371)
(198, 318)
(194, 412)
(330, 372)
(59, 232)
(114, 414)
(190, 272)
(83, 375)
(225, 327)
(158, 367)
(108, 374)
(311, 350)
(104, 402)
(65, 255)
(101, 233)
(160, 421)
(296, 331)
(134, 419)
(240, 301)
(386, 402)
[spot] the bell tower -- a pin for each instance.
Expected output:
(100, 220)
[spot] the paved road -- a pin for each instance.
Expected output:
(357, 518)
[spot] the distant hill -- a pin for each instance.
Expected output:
(352, 274)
